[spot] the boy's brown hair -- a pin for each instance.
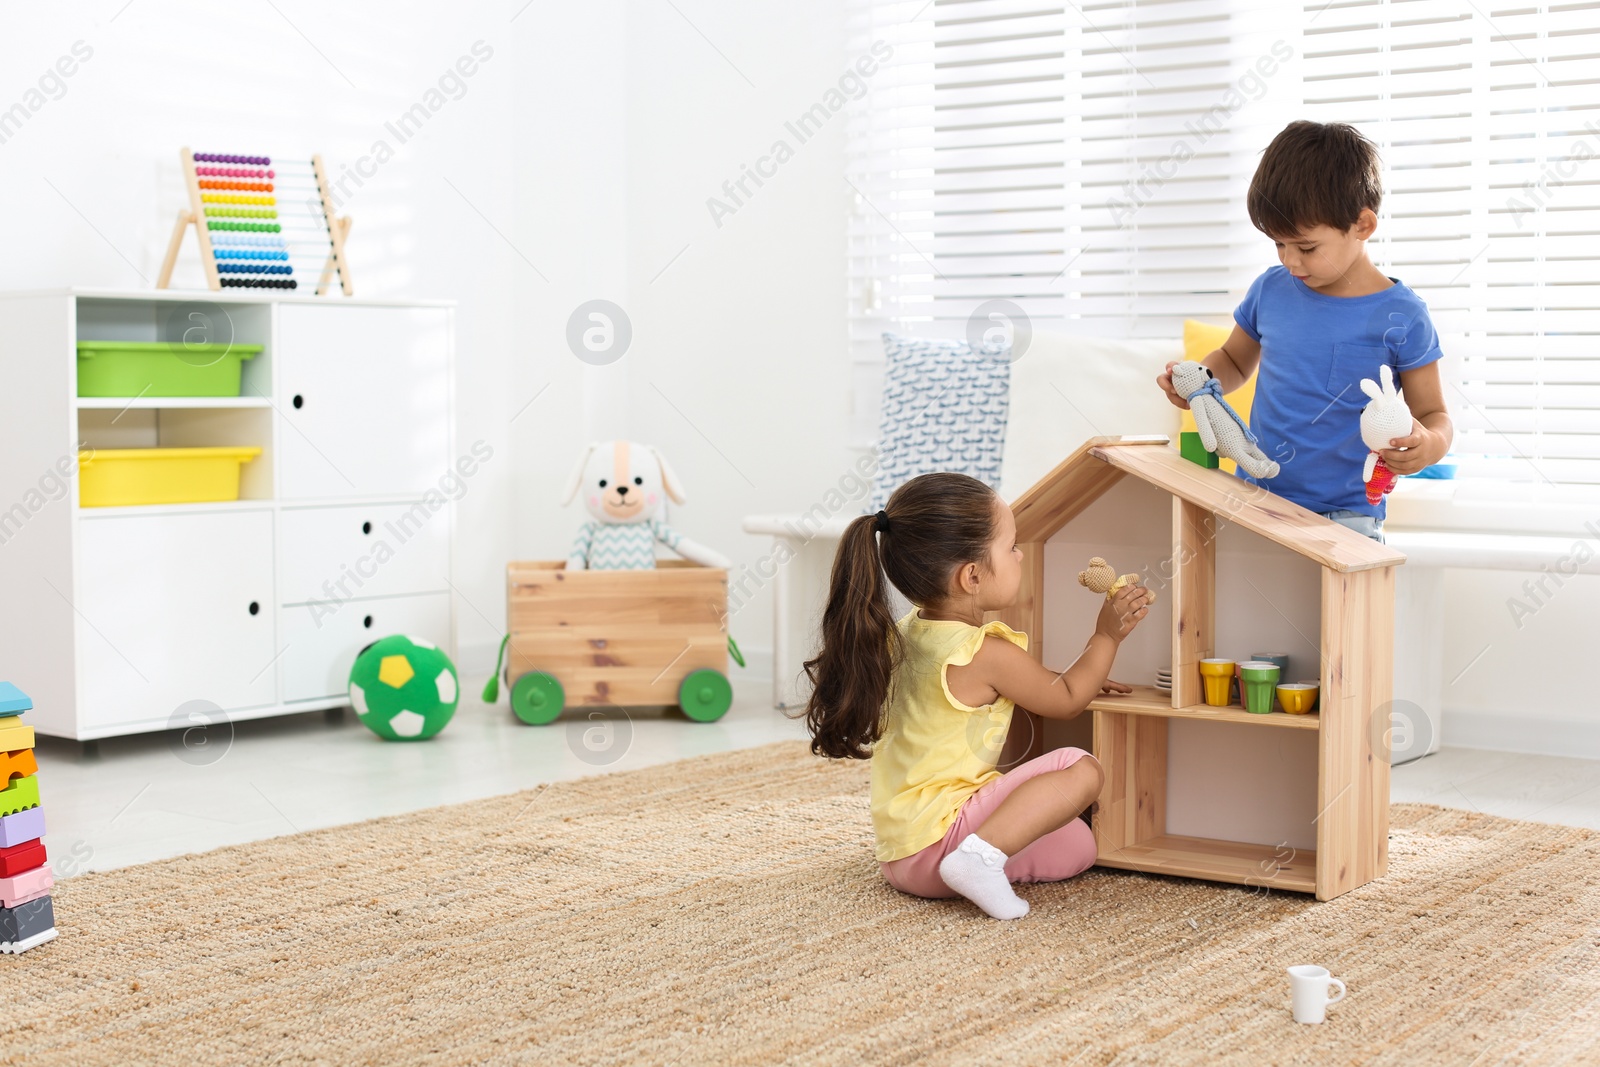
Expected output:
(1314, 174)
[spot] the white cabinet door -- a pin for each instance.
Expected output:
(322, 640)
(173, 609)
(363, 400)
(336, 554)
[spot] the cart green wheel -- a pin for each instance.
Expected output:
(705, 695)
(537, 698)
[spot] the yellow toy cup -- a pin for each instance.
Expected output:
(1216, 675)
(1258, 679)
(1298, 698)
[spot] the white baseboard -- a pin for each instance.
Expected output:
(1522, 732)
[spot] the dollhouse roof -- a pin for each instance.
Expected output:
(1102, 462)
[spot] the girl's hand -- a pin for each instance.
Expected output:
(1164, 380)
(1111, 685)
(1125, 610)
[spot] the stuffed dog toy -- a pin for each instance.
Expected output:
(623, 483)
(1221, 429)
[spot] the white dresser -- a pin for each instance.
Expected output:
(118, 620)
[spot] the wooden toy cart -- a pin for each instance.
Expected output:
(625, 638)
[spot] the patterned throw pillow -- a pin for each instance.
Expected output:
(944, 409)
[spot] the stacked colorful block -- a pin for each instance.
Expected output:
(27, 917)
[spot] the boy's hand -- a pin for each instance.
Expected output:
(1421, 450)
(1111, 685)
(1124, 611)
(1164, 380)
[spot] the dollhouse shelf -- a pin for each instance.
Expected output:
(1148, 700)
(1223, 861)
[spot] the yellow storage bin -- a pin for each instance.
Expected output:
(113, 477)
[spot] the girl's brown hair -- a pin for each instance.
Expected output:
(933, 524)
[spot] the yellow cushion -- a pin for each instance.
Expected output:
(1200, 339)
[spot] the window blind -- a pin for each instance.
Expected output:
(1488, 118)
(1089, 162)
(1086, 163)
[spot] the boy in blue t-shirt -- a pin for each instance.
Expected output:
(1323, 321)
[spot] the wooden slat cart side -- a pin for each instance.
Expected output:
(625, 638)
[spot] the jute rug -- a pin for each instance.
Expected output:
(726, 910)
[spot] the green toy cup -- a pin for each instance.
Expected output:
(1259, 680)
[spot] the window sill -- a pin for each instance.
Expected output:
(1493, 507)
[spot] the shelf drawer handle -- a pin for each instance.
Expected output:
(367, 622)
(298, 401)
(366, 527)
(255, 607)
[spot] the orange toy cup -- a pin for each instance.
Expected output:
(1216, 676)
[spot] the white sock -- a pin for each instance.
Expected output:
(977, 870)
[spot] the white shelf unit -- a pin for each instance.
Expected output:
(119, 618)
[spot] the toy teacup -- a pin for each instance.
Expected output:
(1298, 698)
(1217, 677)
(1258, 679)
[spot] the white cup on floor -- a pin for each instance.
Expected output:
(1309, 986)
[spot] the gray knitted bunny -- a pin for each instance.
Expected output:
(1221, 429)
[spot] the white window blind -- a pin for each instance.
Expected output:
(1488, 118)
(1089, 163)
(1086, 162)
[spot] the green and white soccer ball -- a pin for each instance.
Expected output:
(403, 688)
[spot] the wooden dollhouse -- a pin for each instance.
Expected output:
(1295, 802)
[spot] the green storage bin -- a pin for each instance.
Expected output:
(160, 368)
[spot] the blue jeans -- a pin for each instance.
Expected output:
(1365, 525)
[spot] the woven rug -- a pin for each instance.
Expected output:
(726, 910)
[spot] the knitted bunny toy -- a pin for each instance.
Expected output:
(1101, 577)
(1221, 429)
(1382, 420)
(623, 483)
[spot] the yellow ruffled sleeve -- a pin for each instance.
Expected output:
(967, 649)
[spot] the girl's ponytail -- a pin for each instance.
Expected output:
(860, 646)
(931, 525)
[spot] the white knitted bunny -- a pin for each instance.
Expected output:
(1221, 429)
(1382, 420)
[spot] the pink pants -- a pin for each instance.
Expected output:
(1061, 853)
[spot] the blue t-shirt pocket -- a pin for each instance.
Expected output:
(1349, 365)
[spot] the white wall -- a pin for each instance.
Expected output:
(739, 370)
(505, 179)
(1516, 656)
(575, 165)
(1521, 681)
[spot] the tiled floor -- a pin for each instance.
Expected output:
(148, 797)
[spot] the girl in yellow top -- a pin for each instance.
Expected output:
(929, 698)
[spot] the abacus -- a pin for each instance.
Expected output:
(250, 234)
